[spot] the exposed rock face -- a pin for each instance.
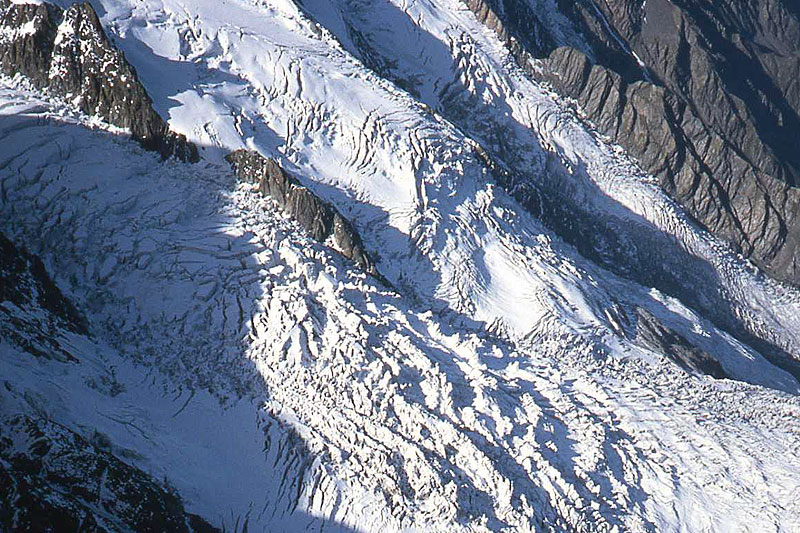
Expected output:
(67, 52)
(32, 309)
(651, 334)
(51, 479)
(318, 217)
(704, 95)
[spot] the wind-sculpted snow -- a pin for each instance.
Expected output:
(509, 382)
(341, 125)
(541, 153)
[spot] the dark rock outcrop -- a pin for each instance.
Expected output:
(318, 217)
(650, 333)
(703, 95)
(32, 308)
(67, 53)
(52, 479)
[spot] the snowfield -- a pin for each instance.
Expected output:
(504, 381)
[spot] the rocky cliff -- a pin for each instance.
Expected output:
(67, 53)
(702, 95)
(316, 216)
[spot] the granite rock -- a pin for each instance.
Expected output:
(67, 53)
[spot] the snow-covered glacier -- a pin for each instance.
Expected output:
(551, 343)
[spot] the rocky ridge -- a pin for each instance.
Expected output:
(699, 95)
(67, 53)
(316, 216)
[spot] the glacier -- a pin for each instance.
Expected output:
(509, 376)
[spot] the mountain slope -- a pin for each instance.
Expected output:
(66, 52)
(699, 94)
(508, 379)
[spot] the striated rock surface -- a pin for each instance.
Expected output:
(316, 216)
(704, 96)
(67, 52)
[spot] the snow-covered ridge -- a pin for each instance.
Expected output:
(507, 385)
(237, 113)
(584, 190)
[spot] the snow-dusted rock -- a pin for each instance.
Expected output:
(67, 53)
(318, 217)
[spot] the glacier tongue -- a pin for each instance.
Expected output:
(269, 380)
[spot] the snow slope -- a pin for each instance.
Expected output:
(503, 385)
(264, 76)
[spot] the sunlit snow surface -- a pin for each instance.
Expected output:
(266, 378)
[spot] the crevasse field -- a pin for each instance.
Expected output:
(497, 384)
